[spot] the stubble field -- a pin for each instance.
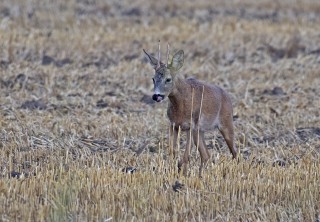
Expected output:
(76, 109)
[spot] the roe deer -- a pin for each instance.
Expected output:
(194, 107)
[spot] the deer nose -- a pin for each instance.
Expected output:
(157, 97)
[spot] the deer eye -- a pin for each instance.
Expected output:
(168, 80)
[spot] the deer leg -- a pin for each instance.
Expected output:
(173, 140)
(198, 138)
(228, 135)
(185, 160)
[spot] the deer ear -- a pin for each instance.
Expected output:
(177, 60)
(153, 61)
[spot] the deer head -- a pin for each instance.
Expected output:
(164, 76)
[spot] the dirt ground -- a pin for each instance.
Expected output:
(76, 110)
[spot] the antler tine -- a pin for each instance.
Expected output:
(159, 57)
(168, 52)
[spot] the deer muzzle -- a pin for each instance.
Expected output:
(157, 97)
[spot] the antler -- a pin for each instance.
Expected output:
(159, 57)
(168, 52)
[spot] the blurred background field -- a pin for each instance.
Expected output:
(76, 109)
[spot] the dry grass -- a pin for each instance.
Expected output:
(75, 110)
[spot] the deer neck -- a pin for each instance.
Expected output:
(179, 91)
